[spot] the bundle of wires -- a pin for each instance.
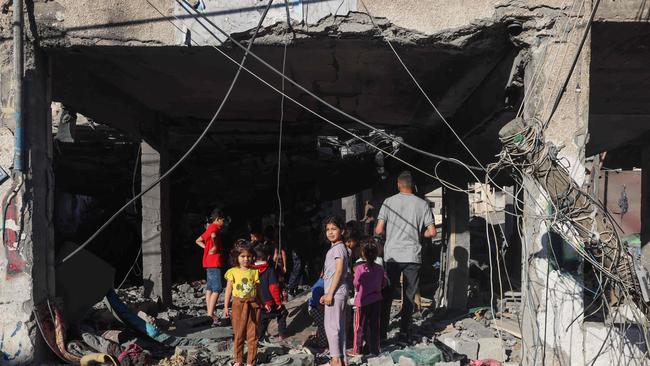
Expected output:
(577, 216)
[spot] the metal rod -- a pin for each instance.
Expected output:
(19, 66)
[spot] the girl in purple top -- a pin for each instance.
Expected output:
(369, 279)
(335, 274)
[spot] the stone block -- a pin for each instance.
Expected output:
(462, 346)
(405, 361)
(380, 361)
(491, 348)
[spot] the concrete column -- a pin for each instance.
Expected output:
(27, 254)
(458, 250)
(156, 225)
(645, 207)
(349, 205)
(552, 299)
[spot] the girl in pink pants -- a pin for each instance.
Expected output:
(335, 274)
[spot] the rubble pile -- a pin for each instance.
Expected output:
(475, 338)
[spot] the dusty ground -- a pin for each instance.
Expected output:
(461, 339)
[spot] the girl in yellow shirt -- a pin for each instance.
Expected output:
(246, 304)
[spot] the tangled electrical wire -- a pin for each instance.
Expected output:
(577, 216)
(369, 143)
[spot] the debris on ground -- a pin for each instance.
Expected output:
(132, 330)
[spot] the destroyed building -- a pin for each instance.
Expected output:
(101, 98)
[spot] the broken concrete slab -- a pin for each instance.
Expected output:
(474, 329)
(189, 323)
(380, 361)
(465, 347)
(405, 361)
(81, 292)
(491, 348)
(293, 360)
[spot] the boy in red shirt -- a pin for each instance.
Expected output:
(210, 241)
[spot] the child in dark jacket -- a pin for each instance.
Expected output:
(270, 294)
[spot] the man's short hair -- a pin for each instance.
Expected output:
(405, 178)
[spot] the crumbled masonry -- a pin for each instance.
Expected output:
(524, 124)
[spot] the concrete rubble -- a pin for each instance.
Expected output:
(450, 342)
(99, 98)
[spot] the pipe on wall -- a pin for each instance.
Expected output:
(18, 22)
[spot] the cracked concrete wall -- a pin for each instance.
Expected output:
(101, 22)
(127, 22)
(554, 298)
(243, 15)
(27, 250)
(431, 16)
(16, 330)
(623, 11)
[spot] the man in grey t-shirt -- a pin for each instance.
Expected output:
(404, 218)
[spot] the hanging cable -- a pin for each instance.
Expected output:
(190, 10)
(318, 115)
(426, 96)
(558, 34)
(277, 187)
(190, 150)
(556, 103)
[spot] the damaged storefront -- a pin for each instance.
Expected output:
(522, 123)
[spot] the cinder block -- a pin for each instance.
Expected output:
(491, 348)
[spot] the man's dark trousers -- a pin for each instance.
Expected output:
(411, 279)
(296, 272)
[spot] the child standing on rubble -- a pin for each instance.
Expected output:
(210, 241)
(243, 283)
(335, 275)
(369, 279)
(270, 294)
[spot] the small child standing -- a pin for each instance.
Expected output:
(269, 293)
(335, 274)
(243, 281)
(210, 241)
(369, 279)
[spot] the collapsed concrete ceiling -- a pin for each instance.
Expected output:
(144, 90)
